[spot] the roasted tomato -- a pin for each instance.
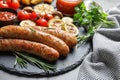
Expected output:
(13, 4)
(3, 4)
(67, 6)
(23, 15)
(48, 17)
(42, 22)
(33, 16)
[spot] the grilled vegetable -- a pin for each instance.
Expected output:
(57, 14)
(42, 22)
(14, 4)
(3, 4)
(35, 1)
(23, 15)
(72, 29)
(48, 1)
(25, 2)
(28, 9)
(27, 23)
(56, 24)
(43, 9)
(67, 20)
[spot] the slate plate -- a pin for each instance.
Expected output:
(72, 61)
(63, 65)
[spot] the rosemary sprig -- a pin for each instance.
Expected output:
(40, 64)
(21, 62)
(32, 30)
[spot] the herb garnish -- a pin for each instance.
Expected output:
(32, 30)
(91, 20)
(20, 62)
(22, 59)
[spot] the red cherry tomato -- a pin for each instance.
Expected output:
(33, 16)
(48, 16)
(23, 15)
(42, 22)
(13, 4)
(3, 4)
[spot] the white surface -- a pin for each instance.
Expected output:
(72, 75)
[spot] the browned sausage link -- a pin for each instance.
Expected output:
(37, 36)
(69, 39)
(35, 48)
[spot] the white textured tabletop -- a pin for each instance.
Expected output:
(71, 75)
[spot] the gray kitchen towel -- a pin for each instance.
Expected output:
(103, 63)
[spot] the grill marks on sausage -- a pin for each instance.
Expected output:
(37, 36)
(69, 39)
(35, 48)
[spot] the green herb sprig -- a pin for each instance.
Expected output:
(91, 19)
(20, 62)
(22, 59)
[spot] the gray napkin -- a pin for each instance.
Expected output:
(103, 63)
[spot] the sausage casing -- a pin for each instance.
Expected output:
(35, 48)
(12, 31)
(68, 38)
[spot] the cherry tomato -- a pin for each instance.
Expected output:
(48, 16)
(9, 2)
(13, 4)
(42, 22)
(23, 15)
(33, 16)
(3, 4)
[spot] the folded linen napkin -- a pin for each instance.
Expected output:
(103, 63)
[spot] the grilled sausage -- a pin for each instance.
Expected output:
(69, 39)
(37, 36)
(35, 48)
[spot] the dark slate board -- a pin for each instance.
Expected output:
(72, 61)
(63, 65)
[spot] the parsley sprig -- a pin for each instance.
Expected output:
(91, 19)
